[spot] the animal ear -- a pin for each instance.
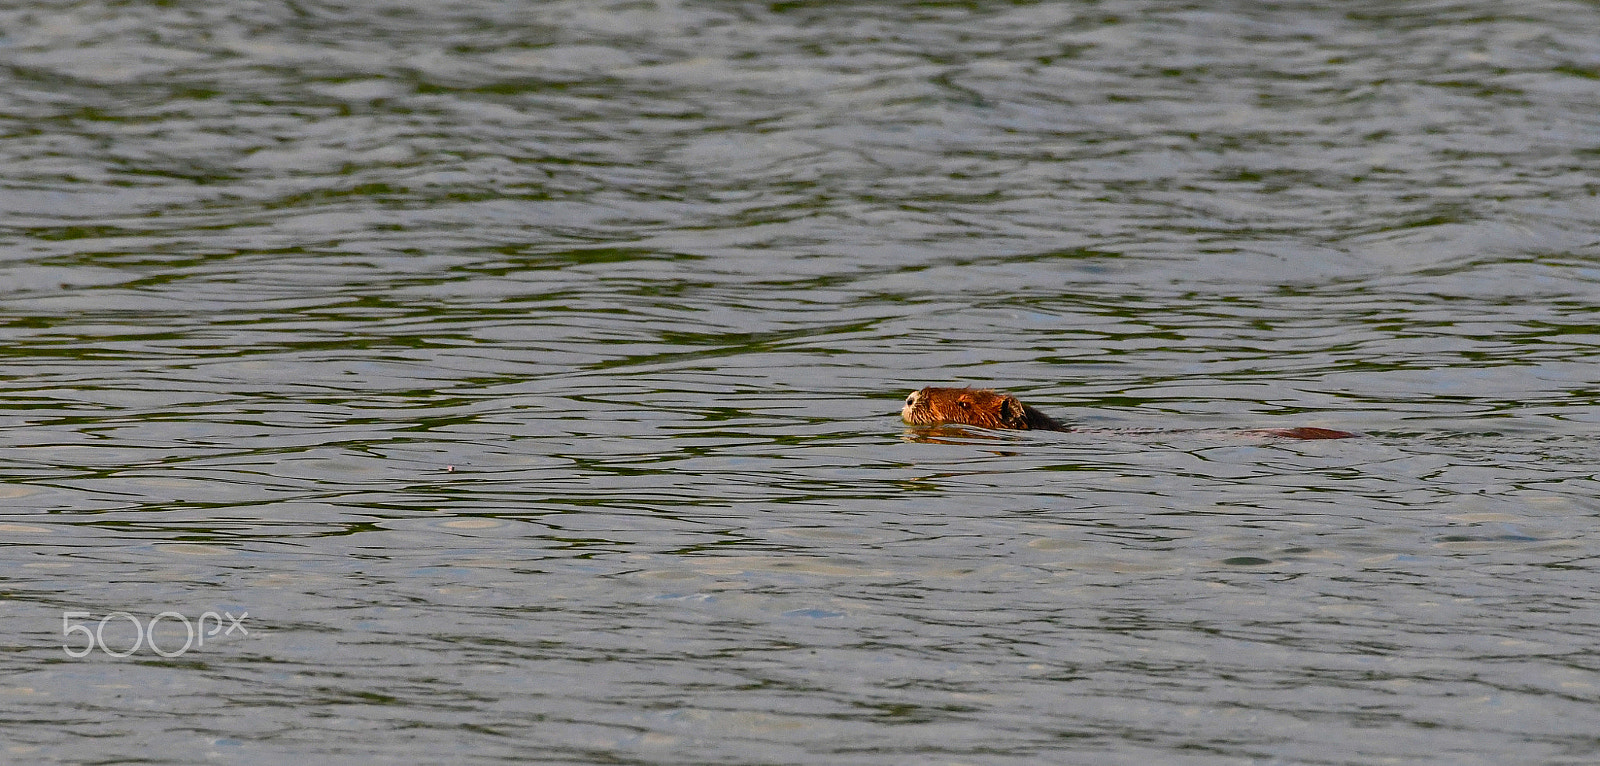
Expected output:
(1011, 410)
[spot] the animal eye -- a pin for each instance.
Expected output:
(966, 405)
(911, 398)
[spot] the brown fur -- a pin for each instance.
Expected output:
(979, 407)
(985, 408)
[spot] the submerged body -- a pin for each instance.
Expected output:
(985, 408)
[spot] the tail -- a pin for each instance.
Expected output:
(1302, 433)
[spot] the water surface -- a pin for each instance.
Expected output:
(527, 374)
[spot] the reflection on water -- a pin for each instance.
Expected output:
(529, 374)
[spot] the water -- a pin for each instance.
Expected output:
(521, 378)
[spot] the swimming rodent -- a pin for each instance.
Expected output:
(986, 408)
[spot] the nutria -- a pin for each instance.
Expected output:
(986, 408)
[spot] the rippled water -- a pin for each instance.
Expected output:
(522, 378)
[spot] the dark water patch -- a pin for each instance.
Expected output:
(1246, 561)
